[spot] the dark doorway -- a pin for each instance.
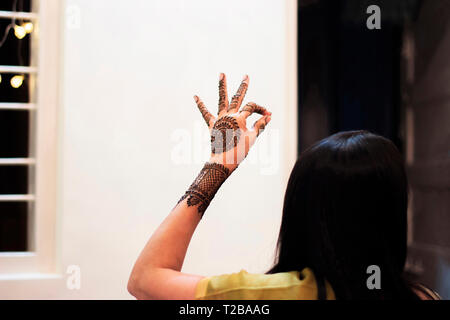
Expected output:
(350, 75)
(393, 81)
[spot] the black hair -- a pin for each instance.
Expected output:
(345, 209)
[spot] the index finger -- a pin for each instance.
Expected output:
(251, 108)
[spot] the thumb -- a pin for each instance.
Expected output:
(260, 125)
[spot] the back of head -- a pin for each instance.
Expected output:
(345, 209)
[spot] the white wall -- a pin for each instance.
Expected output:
(130, 70)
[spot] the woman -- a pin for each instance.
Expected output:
(344, 214)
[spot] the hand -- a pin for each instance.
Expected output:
(231, 140)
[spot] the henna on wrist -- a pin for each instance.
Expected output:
(205, 186)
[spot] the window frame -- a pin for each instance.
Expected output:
(41, 258)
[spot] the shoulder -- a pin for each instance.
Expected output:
(250, 286)
(425, 293)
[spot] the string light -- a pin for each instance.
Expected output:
(17, 81)
(28, 26)
(19, 31)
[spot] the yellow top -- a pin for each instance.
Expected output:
(292, 285)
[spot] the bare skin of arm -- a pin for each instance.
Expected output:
(157, 271)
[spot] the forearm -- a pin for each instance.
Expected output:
(165, 251)
(168, 245)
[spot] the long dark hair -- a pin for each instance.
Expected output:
(345, 209)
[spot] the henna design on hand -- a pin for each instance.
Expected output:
(252, 107)
(205, 186)
(260, 125)
(225, 135)
(223, 97)
(261, 129)
(238, 97)
(205, 113)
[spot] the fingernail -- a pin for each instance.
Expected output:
(196, 98)
(245, 78)
(221, 76)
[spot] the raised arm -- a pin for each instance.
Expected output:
(157, 272)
